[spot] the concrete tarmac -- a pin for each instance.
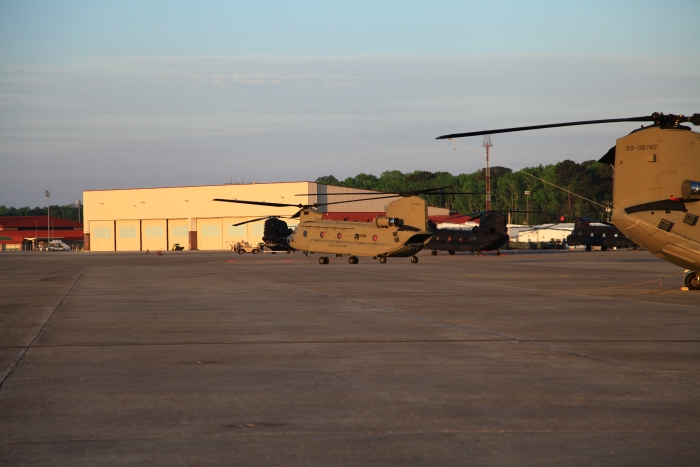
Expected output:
(210, 358)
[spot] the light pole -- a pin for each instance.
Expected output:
(527, 207)
(77, 204)
(47, 193)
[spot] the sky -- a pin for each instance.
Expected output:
(105, 95)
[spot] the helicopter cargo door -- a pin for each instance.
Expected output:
(153, 234)
(209, 234)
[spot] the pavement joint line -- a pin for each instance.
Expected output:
(250, 431)
(504, 337)
(565, 292)
(421, 341)
(14, 367)
(140, 344)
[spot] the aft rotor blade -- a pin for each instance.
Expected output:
(552, 125)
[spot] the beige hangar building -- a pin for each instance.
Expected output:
(157, 218)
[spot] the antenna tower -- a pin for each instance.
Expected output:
(487, 144)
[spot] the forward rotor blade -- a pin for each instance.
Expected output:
(455, 193)
(260, 203)
(349, 193)
(355, 200)
(252, 220)
(428, 190)
(376, 192)
(553, 125)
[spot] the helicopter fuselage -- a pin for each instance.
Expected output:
(651, 165)
(402, 232)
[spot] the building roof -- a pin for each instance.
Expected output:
(18, 236)
(15, 222)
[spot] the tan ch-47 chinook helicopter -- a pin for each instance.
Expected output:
(656, 186)
(402, 232)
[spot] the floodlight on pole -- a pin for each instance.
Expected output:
(47, 193)
(527, 207)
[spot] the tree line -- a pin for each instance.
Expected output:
(68, 212)
(553, 189)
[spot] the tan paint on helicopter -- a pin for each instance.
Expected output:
(391, 240)
(650, 165)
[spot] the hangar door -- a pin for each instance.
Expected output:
(233, 235)
(128, 235)
(154, 234)
(178, 232)
(101, 235)
(209, 235)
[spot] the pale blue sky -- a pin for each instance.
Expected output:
(97, 95)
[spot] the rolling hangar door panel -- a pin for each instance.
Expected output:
(101, 235)
(128, 235)
(178, 232)
(233, 235)
(209, 235)
(154, 234)
(256, 230)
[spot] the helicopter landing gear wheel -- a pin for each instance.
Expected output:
(692, 281)
(241, 251)
(323, 260)
(353, 260)
(433, 253)
(382, 259)
(414, 259)
(589, 248)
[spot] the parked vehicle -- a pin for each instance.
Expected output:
(245, 247)
(58, 245)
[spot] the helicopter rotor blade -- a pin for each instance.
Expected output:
(254, 220)
(651, 118)
(355, 200)
(260, 203)
(426, 191)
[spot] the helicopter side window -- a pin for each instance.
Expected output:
(304, 233)
(357, 236)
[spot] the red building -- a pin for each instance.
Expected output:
(34, 232)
